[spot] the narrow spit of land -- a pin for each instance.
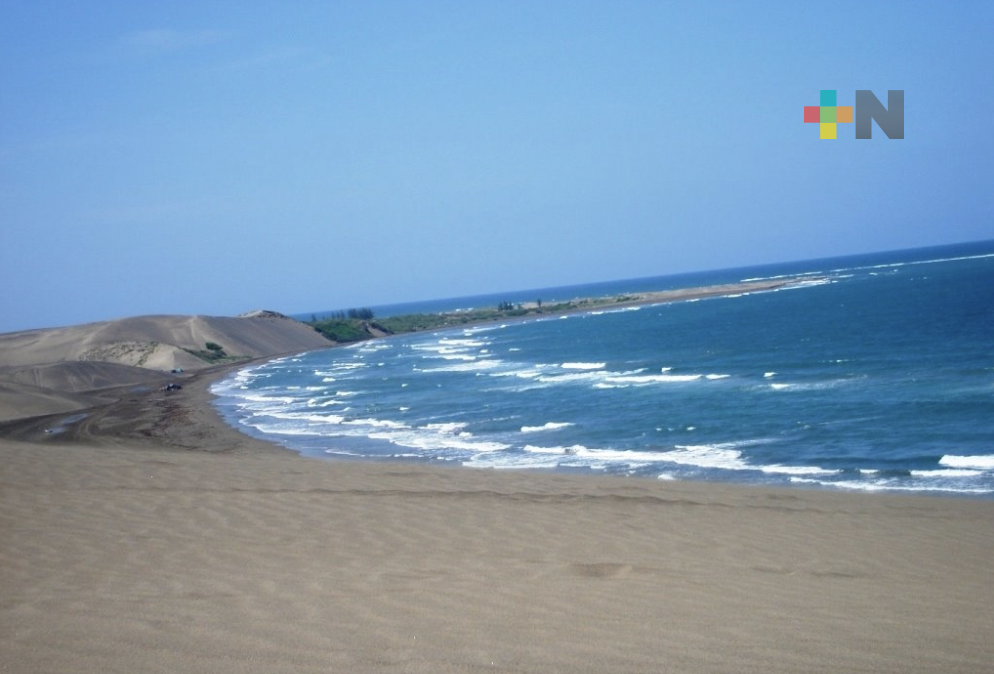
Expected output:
(359, 324)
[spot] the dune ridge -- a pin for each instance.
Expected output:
(63, 369)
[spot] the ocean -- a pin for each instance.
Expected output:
(875, 374)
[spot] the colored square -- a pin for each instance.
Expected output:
(843, 114)
(828, 114)
(827, 97)
(828, 130)
(812, 113)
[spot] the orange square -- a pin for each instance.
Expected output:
(843, 113)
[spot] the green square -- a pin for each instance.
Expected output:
(828, 97)
(828, 113)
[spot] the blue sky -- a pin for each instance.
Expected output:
(216, 157)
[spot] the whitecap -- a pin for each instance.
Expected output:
(582, 366)
(601, 456)
(983, 462)
(375, 423)
(723, 456)
(796, 470)
(550, 426)
(471, 366)
(429, 441)
(653, 378)
(946, 472)
(446, 427)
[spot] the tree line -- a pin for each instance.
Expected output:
(361, 314)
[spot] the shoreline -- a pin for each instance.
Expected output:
(156, 537)
(151, 535)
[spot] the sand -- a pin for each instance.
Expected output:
(149, 536)
(154, 538)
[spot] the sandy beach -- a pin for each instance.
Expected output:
(149, 536)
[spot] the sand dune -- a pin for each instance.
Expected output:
(51, 365)
(133, 341)
(18, 401)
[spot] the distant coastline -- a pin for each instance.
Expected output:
(345, 329)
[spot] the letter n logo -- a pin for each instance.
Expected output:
(870, 109)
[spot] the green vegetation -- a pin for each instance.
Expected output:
(343, 330)
(363, 314)
(214, 353)
(149, 350)
(355, 325)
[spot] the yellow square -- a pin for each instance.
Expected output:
(828, 130)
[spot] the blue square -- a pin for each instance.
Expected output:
(827, 97)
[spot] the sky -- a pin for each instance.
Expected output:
(219, 157)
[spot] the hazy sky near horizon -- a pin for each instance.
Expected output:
(217, 157)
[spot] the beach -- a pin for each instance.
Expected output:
(153, 537)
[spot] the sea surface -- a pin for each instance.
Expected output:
(875, 373)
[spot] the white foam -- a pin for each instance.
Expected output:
(280, 430)
(984, 462)
(722, 456)
(777, 469)
(375, 423)
(811, 283)
(529, 373)
(653, 379)
(572, 377)
(601, 456)
(449, 341)
(918, 262)
(260, 398)
(810, 386)
(498, 461)
(550, 426)
(583, 366)
(447, 427)
(471, 366)
(886, 485)
(338, 368)
(373, 347)
(314, 402)
(309, 417)
(947, 472)
(429, 441)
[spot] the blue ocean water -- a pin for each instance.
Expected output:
(876, 374)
